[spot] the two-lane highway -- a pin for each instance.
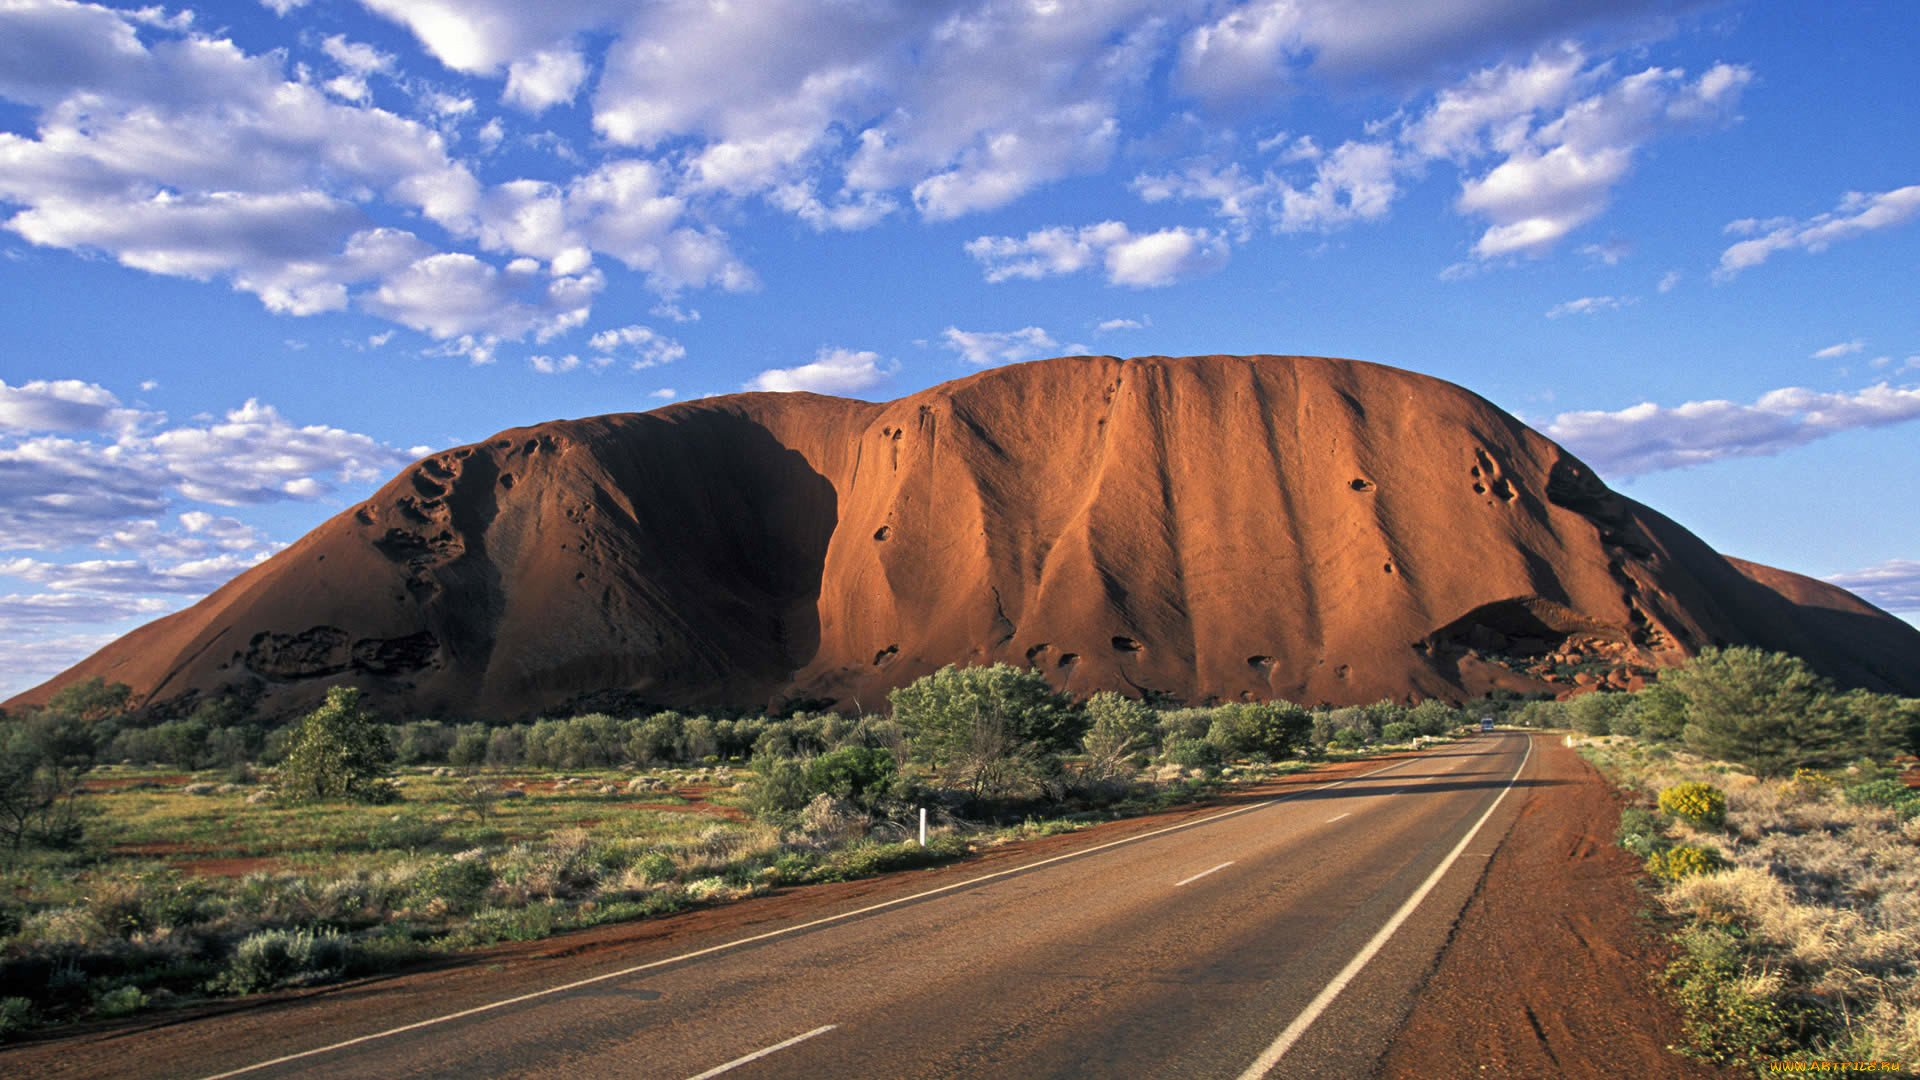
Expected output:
(1285, 936)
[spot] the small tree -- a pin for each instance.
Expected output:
(1768, 711)
(337, 753)
(988, 728)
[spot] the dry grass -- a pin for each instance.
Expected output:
(1827, 893)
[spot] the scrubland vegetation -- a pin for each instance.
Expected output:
(1785, 847)
(147, 864)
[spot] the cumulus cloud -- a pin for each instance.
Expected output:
(1138, 260)
(643, 346)
(1648, 438)
(1588, 305)
(72, 478)
(832, 371)
(1893, 585)
(1560, 130)
(61, 405)
(544, 79)
(987, 347)
(1859, 213)
(1255, 49)
(1110, 325)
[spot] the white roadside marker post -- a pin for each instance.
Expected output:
(923, 826)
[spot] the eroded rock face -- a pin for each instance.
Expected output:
(1204, 527)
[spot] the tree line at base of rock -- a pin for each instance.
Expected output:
(972, 736)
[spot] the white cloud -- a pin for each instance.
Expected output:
(1588, 305)
(1893, 585)
(832, 371)
(452, 295)
(33, 658)
(195, 576)
(1859, 213)
(643, 346)
(357, 57)
(665, 393)
(1561, 131)
(1669, 280)
(1649, 438)
(1844, 348)
(1258, 49)
(61, 405)
(1609, 253)
(1138, 260)
(987, 347)
(544, 79)
(1111, 325)
(110, 470)
(553, 365)
(1561, 175)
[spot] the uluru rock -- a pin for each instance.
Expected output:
(1203, 527)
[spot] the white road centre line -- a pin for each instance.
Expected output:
(794, 929)
(1337, 817)
(758, 1054)
(1202, 874)
(1271, 1056)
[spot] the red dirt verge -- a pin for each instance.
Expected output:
(1550, 970)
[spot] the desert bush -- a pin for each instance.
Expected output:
(1682, 861)
(656, 867)
(990, 729)
(1272, 729)
(864, 776)
(454, 884)
(16, 1015)
(337, 753)
(1891, 794)
(1768, 711)
(1599, 713)
(1701, 805)
(119, 1001)
(1435, 717)
(274, 958)
(1731, 1015)
(1191, 753)
(1399, 731)
(1641, 832)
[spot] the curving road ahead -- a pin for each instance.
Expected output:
(1285, 936)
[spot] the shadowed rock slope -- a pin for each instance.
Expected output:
(1207, 527)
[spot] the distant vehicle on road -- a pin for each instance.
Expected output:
(1486, 723)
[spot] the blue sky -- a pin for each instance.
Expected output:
(255, 256)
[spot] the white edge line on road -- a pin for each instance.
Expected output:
(1202, 874)
(843, 916)
(1337, 817)
(758, 1054)
(1272, 1055)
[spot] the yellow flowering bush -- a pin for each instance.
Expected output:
(1701, 805)
(1683, 861)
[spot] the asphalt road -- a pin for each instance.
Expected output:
(1289, 934)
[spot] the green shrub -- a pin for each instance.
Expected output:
(1269, 729)
(1683, 861)
(657, 867)
(1347, 739)
(119, 1001)
(16, 1015)
(338, 753)
(1399, 731)
(1768, 711)
(1891, 794)
(989, 729)
(779, 787)
(403, 832)
(1701, 805)
(275, 958)
(1191, 753)
(864, 776)
(1725, 1022)
(458, 882)
(867, 859)
(1640, 831)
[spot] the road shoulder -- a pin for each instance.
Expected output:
(1549, 971)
